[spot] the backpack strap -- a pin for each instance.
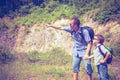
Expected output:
(101, 51)
(82, 32)
(82, 35)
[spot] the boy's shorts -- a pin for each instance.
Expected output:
(76, 65)
(103, 71)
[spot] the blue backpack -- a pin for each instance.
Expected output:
(109, 60)
(90, 30)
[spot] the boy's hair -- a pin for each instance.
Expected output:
(100, 38)
(76, 20)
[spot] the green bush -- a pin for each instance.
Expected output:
(116, 47)
(56, 56)
(102, 17)
(107, 9)
(25, 9)
(113, 43)
(5, 55)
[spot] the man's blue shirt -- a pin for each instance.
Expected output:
(80, 43)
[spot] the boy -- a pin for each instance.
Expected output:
(99, 60)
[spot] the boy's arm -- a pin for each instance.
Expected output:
(55, 27)
(91, 56)
(106, 57)
(88, 57)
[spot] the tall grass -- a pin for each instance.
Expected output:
(51, 65)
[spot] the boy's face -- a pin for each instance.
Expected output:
(95, 40)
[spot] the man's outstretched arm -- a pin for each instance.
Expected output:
(55, 27)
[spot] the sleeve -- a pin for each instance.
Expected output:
(104, 50)
(86, 36)
(67, 29)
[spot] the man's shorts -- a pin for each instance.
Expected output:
(76, 65)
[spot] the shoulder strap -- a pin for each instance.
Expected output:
(82, 35)
(101, 51)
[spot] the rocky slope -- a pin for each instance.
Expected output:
(40, 38)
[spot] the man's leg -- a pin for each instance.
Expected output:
(89, 76)
(75, 75)
(88, 69)
(76, 66)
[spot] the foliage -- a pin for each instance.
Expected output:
(5, 55)
(54, 57)
(108, 8)
(3, 26)
(114, 43)
(22, 69)
(38, 15)
(53, 9)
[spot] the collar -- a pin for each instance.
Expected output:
(79, 30)
(98, 45)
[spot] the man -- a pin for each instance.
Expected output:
(81, 48)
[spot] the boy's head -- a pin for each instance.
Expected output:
(98, 39)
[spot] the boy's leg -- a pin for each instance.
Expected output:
(88, 68)
(98, 68)
(76, 66)
(103, 71)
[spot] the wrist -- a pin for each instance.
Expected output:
(88, 57)
(104, 60)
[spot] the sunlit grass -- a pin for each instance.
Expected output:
(50, 65)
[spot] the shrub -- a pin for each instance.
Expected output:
(56, 56)
(107, 9)
(5, 55)
(3, 26)
(102, 17)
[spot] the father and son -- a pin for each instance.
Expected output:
(82, 48)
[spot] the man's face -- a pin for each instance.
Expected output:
(72, 25)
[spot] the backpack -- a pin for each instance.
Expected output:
(90, 30)
(109, 60)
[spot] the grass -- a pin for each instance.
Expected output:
(38, 66)
(50, 65)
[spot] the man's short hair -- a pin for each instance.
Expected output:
(76, 21)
